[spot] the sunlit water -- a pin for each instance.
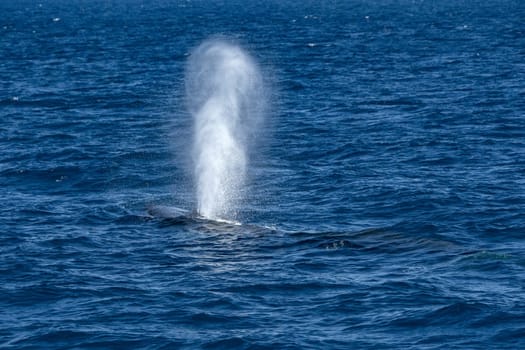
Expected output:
(382, 200)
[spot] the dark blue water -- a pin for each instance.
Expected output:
(386, 201)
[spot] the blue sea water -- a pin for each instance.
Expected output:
(385, 207)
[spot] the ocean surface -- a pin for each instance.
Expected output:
(384, 206)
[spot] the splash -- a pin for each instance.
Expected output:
(225, 96)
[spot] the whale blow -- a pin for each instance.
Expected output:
(224, 90)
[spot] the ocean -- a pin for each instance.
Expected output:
(376, 201)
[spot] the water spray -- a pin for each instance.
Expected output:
(225, 94)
